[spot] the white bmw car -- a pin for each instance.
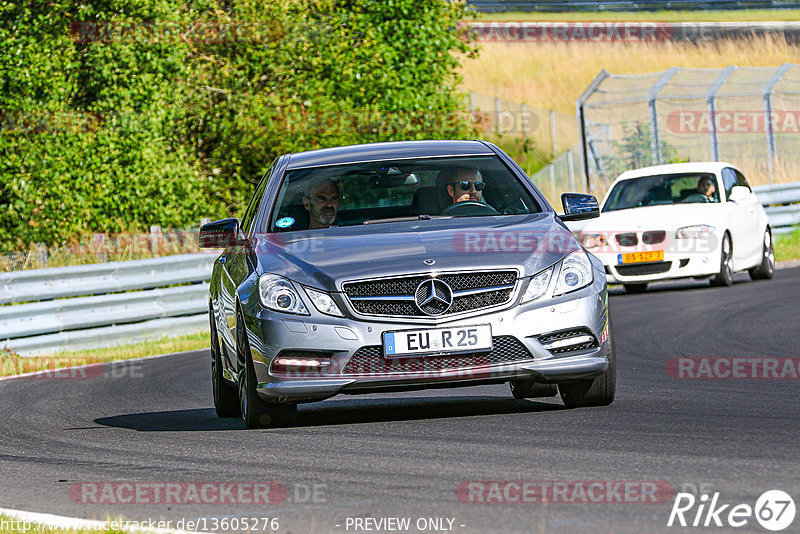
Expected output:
(681, 220)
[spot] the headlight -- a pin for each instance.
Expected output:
(693, 232)
(575, 273)
(277, 293)
(537, 286)
(591, 241)
(323, 302)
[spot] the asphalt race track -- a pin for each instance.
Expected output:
(405, 454)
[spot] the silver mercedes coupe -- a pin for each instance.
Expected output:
(403, 266)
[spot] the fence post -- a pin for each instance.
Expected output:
(571, 166)
(41, 254)
(652, 95)
(155, 238)
(471, 102)
(553, 132)
(497, 115)
(583, 134)
(711, 97)
(769, 127)
(524, 122)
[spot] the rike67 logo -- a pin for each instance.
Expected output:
(774, 510)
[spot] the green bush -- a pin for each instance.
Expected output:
(157, 130)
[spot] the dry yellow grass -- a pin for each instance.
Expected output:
(553, 75)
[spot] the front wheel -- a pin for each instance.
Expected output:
(226, 402)
(766, 269)
(525, 388)
(597, 391)
(256, 412)
(725, 276)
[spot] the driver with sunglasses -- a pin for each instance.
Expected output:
(465, 184)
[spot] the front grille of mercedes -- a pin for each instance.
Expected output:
(384, 297)
(369, 360)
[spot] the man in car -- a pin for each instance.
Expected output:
(463, 184)
(321, 200)
(705, 191)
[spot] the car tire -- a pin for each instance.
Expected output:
(766, 269)
(598, 391)
(525, 388)
(635, 288)
(725, 276)
(255, 411)
(226, 399)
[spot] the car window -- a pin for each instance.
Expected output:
(383, 191)
(255, 202)
(728, 180)
(741, 180)
(656, 190)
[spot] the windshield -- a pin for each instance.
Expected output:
(683, 188)
(389, 191)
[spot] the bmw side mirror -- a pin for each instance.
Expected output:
(738, 193)
(578, 207)
(220, 234)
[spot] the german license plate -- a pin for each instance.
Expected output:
(639, 257)
(458, 339)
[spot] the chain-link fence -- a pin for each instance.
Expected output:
(747, 116)
(552, 132)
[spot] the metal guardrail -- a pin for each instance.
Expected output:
(628, 5)
(127, 302)
(782, 204)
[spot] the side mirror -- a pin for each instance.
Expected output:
(220, 234)
(578, 207)
(738, 193)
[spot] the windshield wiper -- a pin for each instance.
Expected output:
(422, 217)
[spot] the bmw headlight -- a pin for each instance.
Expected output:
(591, 241)
(575, 273)
(323, 302)
(537, 286)
(694, 232)
(278, 293)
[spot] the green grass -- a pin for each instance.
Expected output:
(11, 364)
(649, 16)
(787, 246)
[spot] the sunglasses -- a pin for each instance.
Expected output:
(466, 185)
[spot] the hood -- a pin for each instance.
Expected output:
(326, 258)
(666, 217)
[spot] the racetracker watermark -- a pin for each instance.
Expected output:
(178, 493)
(195, 32)
(553, 32)
(66, 368)
(513, 241)
(45, 122)
(733, 122)
(733, 368)
(564, 492)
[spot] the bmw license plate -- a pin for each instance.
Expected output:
(458, 339)
(639, 257)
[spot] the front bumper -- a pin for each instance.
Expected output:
(272, 334)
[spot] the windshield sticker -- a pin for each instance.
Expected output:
(286, 222)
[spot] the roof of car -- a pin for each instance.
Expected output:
(674, 168)
(386, 151)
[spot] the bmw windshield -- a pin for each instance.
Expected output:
(659, 189)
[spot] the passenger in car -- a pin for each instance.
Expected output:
(705, 191)
(321, 200)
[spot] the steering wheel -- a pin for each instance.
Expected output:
(469, 207)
